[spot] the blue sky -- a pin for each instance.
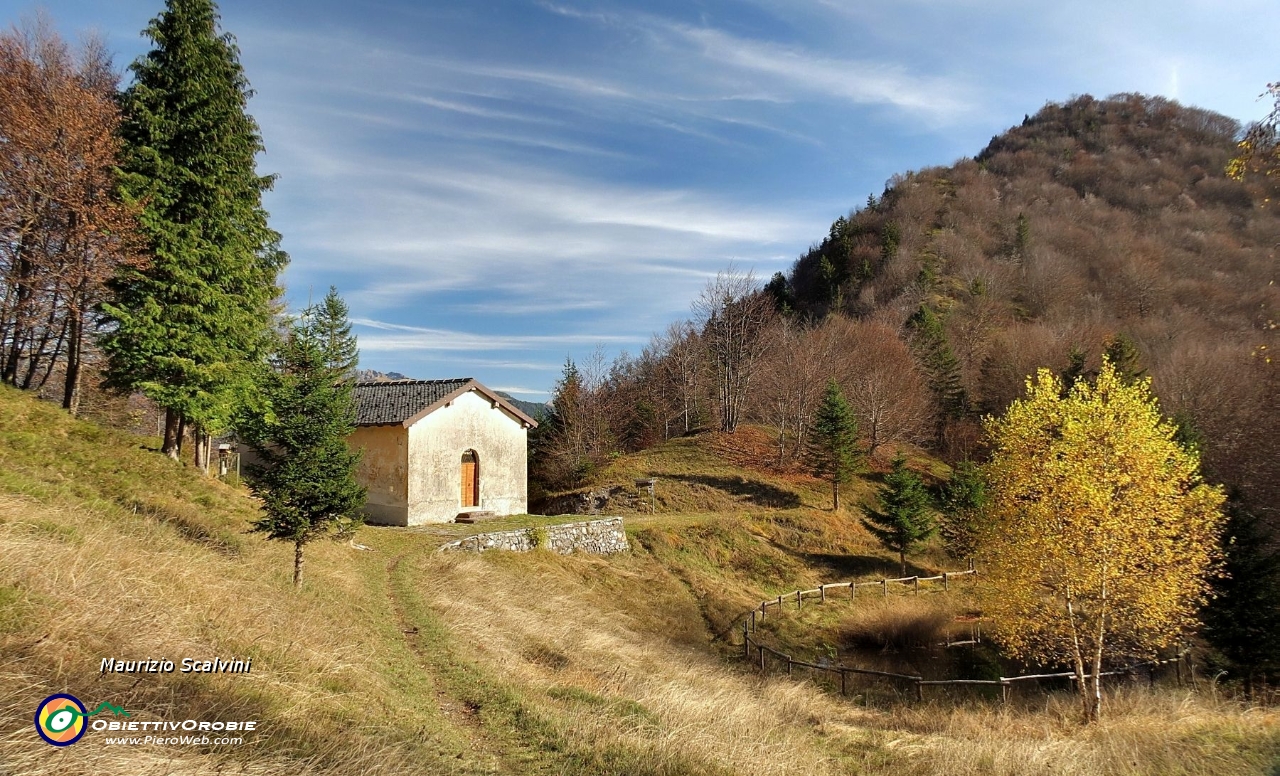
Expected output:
(494, 186)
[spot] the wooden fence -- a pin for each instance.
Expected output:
(763, 652)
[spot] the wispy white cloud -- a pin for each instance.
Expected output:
(507, 307)
(861, 82)
(418, 338)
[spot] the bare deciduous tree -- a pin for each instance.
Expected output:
(734, 316)
(883, 384)
(684, 367)
(793, 375)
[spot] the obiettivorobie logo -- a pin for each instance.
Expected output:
(61, 719)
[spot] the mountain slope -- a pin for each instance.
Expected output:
(1093, 219)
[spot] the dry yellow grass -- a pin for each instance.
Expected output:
(399, 660)
(899, 622)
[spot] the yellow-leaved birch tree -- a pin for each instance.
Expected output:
(1100, 536)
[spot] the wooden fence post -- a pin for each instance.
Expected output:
(946, 581)
(1004, 692)
(916, 582)
(762, 603)
(779, 604)
(761, 648)
(919, 691)
(746, 641)
(822, 591)
(842, 674)
(853, 589)
(884, 585)
(788, 667)
(799, 605)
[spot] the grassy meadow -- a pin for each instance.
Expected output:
(396, 659)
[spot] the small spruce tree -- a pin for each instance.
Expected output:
(307, 476)
(1123, 354)
(333, 330)
(905, 518)
(963, 498)
(1075, 370)
(833, 441)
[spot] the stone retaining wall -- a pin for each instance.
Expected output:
(600, 537)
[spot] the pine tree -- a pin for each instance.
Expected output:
(1244, 617)
(183, 329)
(1022, 238)
(963, 498)
(307, 476)
(329, 320)
(929, 343)
(1075, 368)
(833, 441)
(905, 518)
(1125, 358)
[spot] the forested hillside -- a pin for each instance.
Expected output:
(1095, 226)
(1095, 218)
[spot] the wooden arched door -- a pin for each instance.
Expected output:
(470, 479)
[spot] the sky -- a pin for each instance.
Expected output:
(495, 187)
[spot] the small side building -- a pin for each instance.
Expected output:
(434, 449)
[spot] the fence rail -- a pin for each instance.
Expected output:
(749, 644)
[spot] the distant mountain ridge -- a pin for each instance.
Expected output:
(535, 410)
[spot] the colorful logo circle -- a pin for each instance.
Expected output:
(60, 719)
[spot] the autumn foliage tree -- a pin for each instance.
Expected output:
(1259, 150)
(1100, 536)
(63, 230)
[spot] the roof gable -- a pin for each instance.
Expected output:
(405, 402)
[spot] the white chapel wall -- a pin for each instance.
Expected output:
(436, 445)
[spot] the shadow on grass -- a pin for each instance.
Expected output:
(851, 566)
(758, 493)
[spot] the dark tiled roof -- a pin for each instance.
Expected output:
(395, 401)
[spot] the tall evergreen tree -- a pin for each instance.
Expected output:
(307, 476)
(183, 329)
(1244, 617)
(1022, 237)
(929, 342)
(833, 441)
(905, 518)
